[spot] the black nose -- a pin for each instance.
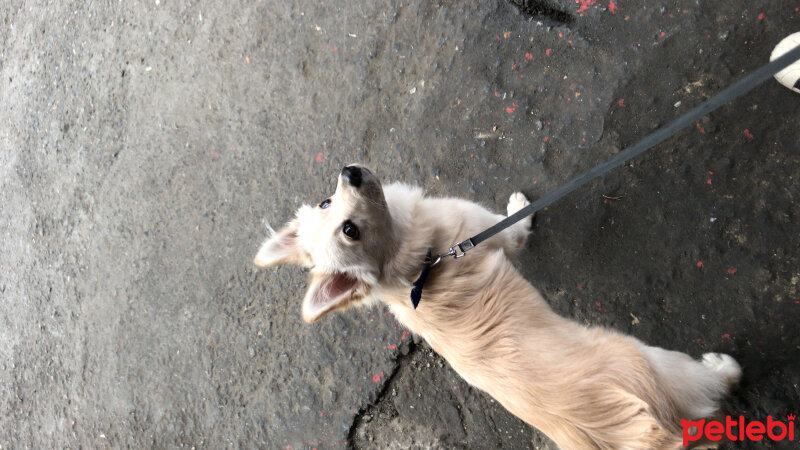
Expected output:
(352, 176)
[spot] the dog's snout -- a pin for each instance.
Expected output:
(352, 175)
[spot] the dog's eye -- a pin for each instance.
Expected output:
(325, 203)
(350, 230)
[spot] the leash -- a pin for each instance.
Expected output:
(736, 90)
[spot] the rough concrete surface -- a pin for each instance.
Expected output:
(146, 146)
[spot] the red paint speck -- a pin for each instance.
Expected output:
(391, 347)
(404, 335)
(514, 66)
(512, 108)
(545, 139)
(612, 7)
(699, 340)
(699, 263)
(320, 157)
(560, 35)
(548, 51)
(663, 34)
(726, 336)
(496, 94)
(761, 16)
(216, 155)
(335, 49)
(708, 181)
(621, 103)
(748, 135)
(711, 172)
(528, 56)
(377, 377)
(598, 304)
(585, 4)
(700, 127)
(732, 270)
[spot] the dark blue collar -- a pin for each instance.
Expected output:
(416, 291)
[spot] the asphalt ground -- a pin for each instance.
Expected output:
(146, 146)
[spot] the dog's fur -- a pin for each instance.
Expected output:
(585, 387)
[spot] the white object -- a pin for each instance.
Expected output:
(790, 76)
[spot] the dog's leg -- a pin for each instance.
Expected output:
(517, 234)
(695, 386)
(724, 366)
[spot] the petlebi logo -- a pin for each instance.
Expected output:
(738, 429)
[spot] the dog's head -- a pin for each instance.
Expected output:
(346, 240)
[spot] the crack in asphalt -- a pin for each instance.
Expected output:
(401, 360)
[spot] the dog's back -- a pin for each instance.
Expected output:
(583, 387)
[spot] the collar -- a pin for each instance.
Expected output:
(416, 291)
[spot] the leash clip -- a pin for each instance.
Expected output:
(454, 252)
(430, 261)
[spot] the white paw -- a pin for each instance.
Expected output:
(724, 366)
(516, 202)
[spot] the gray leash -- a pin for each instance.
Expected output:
(731, 93)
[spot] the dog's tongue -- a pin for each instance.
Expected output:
(333, 287)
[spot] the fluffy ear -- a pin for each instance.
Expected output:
(281, 248)
(328, 292)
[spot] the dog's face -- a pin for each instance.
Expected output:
(345, 240)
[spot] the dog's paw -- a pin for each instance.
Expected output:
(724, 366)
(516, 202)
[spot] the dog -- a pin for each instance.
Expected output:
(584, 387)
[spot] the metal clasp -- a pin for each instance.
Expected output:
(434, 261)
(454, 252)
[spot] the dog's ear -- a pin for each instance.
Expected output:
(328, 292)
(281, 248)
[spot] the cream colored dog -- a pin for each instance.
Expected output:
(583, 387)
